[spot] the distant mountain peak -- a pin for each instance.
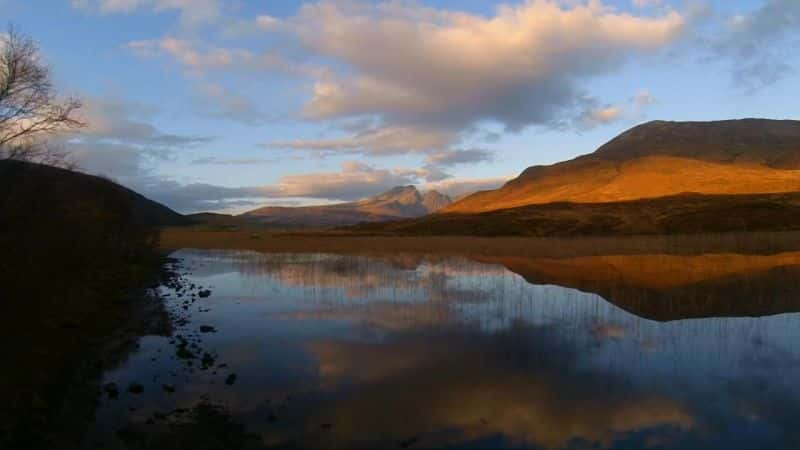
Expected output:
(397, 202)
(405, 195)
(435, 200)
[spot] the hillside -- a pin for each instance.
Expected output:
(71, 189)
(659, 159)
(686, 213)
(399, 202)
(77, 252)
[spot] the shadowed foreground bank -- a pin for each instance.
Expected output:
(76, 252)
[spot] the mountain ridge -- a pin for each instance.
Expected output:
(396, 203)
(83, 187)
(659, 159)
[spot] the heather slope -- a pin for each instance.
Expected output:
(659, 159)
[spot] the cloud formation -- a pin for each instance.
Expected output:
(455, 157)
(460, 187)
(426, 77)
(520, 67)
(377, 141)
(757, 43)
(199, 59)
(112, 119)
(223, 103)
(192, 12)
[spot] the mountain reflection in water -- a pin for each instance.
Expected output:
(352, 352)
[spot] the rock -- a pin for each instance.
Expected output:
(207, 361)
(207, 329)
(168, 388)
(409, 442)
(183, 353)
(230, 379)
(135, 388)
(204, 293)
(111, 390)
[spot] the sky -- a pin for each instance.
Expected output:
(226, 105)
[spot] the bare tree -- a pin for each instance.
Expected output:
(30, 110)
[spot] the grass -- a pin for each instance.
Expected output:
(679, 214)
(348, 243)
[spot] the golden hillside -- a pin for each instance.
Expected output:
(661, 159)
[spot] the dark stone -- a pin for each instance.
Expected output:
(204, 293)
(207, 361)
(111, 390)
(135, 388)
(168, 388)
(409, 442)
(230, 379)
(207, 329)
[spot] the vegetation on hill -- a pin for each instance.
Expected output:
(659, 159)
(76, 249)
(680, 214)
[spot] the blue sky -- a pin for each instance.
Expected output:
(229, 104)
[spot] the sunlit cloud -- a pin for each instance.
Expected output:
(424, 65)
(377, 141)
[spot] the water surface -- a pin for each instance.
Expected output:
(323, 351)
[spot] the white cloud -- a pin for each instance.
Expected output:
(456, 157)
(646, 3)
(644, 98)
(268, 23)
(377, 141)
(192, 12)
(199, 59)
(221, 102)
(409, 64)
(115, 120)
(428, 76)
(602, 115)
(457, 188)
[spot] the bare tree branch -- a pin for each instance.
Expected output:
(30, 111)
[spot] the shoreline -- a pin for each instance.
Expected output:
(56, 401)
(319, 242)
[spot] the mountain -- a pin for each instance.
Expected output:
(68, 189)
(659, 159)
(399, 202)
(657, 178)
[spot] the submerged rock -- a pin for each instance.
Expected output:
(409, 442)
(111, 390)
(135, 388)
(230, 379)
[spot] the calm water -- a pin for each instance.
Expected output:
(401, 351)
